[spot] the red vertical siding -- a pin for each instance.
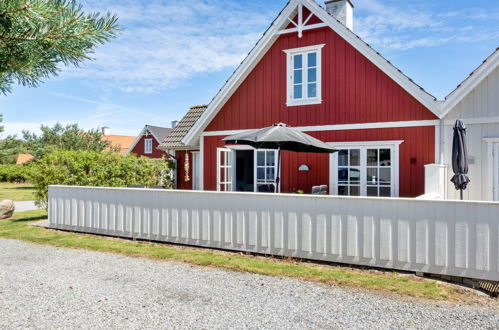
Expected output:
(184, 182)
(140, 148)
(417, 150)
(353, 90)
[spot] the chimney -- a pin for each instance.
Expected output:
(342, 10)
(174, 123)
(106, 131)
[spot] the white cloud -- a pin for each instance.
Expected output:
(393, 28)
(164, 43)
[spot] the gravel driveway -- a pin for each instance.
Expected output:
(45, 287)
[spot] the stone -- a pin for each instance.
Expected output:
(7, 209)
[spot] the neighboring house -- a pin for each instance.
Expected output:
(310, 71)
(186, 156)
(147, 142)
(122, 141)
(24, 159)
(476, 101)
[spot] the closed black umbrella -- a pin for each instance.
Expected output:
(460, 157)
(281, 137)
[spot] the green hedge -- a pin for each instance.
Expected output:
(90, 168)
(15, 173)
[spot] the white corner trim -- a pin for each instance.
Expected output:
(470, 83)
(267, 41)
(342, 127)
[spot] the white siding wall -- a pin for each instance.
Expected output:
(481, 103)
(441, 237)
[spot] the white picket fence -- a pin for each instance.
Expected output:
(441, 237)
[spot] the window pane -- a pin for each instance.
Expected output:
(312, 59)
(343, 190)
(385, 191)
(372, 157)
(343, 158)
(312, 75)
(298, 92)
(385, 176)
(270, 174)
(260, 174)
(354, 191)
(298, 76)
(372, 191)
(270, 158)
(312, 90)
(384, 157)
(298, 61)
(228, 159)
(354, 176)
(372, 176)
(354, 157)
(260, 158)
(343, 175)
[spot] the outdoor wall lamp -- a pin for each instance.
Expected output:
(303, 168)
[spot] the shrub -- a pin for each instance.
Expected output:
(90, 168)
(14, 173)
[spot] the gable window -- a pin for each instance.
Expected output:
(148, 146)
(304, 75)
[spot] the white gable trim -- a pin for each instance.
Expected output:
(470, 83)
(268, 40)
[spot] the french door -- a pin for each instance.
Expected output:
(365, 171)
(225, 175)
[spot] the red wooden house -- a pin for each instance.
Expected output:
(147, 142)
(310, 71)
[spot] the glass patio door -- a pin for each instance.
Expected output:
(225, 175)
(364, 171)
(265, 170)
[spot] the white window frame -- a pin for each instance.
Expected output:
(148, 146)
(255, 168)
(305, 100)
(228, 166)
(195, 170)
(394, 146)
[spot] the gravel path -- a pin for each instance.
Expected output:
(45, 287)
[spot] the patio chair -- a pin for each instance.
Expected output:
(323, 190)
(316, 190)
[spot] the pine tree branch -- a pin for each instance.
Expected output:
(14, 11)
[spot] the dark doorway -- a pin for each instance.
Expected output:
(245, 170)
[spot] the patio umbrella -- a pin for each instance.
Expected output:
(459, 157)
(281, 137)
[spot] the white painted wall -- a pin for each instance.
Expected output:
(441, 237)
(480, 112)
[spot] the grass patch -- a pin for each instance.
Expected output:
(16, 191)
(18, 228)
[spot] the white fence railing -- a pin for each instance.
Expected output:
(440, 237)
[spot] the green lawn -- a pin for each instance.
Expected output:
(16, 191)
(18, 228)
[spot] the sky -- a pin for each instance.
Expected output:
(172, 54)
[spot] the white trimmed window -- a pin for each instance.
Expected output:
(148, 146)
(304, 75)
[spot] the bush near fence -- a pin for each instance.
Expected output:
(15, 173)
(91, 168)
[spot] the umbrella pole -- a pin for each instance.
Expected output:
(461, 193)
(278, 179)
